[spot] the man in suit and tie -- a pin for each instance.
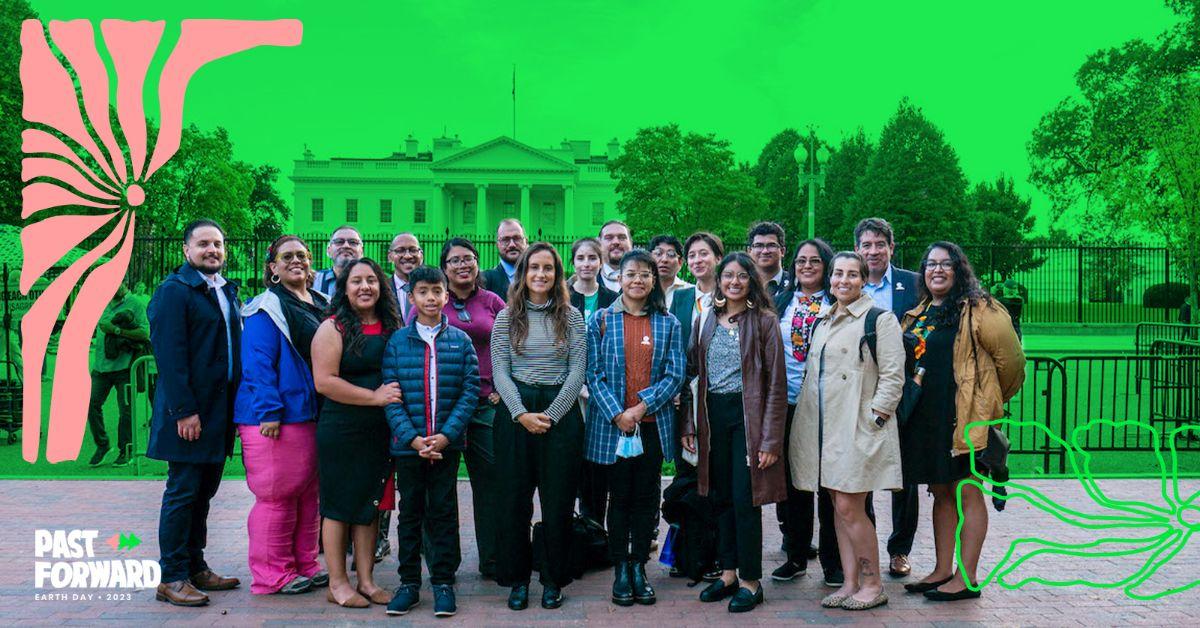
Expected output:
(510, 244)
(196, 334)
(893, 289)
(345, 246)
(767, 248)
(405, 254)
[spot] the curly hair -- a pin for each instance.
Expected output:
(966, 287)
(518, 294)
(346, 318)
(756, 296)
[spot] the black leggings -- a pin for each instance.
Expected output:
(739, 522)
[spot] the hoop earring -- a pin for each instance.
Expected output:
(749, 304)
(275, 279)
(719, 301)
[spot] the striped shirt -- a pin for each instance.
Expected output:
(542, 360)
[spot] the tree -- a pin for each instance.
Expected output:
(671, 182)
(201, 180)
(848, 163)
(12, 13)
(914, 181)
(268, 211)
(1093, 155)
(1177, 156)
(1001, 218)
(777, 175)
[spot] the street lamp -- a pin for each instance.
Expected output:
(811, 160)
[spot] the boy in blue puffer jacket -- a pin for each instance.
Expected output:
(438, 372)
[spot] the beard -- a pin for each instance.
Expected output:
(204, 270)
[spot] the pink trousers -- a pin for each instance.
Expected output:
(284, 522)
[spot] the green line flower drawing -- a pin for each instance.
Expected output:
(1133, 542)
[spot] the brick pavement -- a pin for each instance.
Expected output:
(132, 506)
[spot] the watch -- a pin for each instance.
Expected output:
(880, 421)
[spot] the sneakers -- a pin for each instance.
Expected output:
(98, 457)
(443, 601)
(788, 571)
(406, 597)
(834, 578)
(299, 584)
(382, 549)
(121, 461)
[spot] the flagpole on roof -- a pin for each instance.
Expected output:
(514, 106)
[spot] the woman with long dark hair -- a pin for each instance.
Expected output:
(844, 438)
(636, 367)
(276, 413)
(473, 309)
(737, 359)
(798, 308)
(973, 363)
(539, 359)
(353, 433)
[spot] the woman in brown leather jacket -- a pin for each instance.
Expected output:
(737, 358)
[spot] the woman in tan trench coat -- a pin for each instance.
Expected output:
(843, 436)
(737, 358)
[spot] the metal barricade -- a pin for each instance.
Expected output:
(1175, 388)
(1146, 334)
(143, 375)
(1041, 400)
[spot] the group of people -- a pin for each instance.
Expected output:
(768, 384)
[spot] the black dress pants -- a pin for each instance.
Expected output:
(635, 489)
(183, 519)
(548, 463)
(739, 522)
(795, 514)
(428, 504)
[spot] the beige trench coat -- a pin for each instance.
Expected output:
(834, 442)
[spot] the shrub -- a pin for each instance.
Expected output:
(1170, 295)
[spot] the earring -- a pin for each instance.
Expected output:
(275, 279)
(749, 304)
(719, 301)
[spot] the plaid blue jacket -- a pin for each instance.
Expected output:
(606, 382)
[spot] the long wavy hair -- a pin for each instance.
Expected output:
(345, 316)
(757, 297)
(966, 287)
(466, 244)
(518, 295)
(656, 302)
(273, 250)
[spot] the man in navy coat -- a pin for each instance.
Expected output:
(195, 332)
(892, 289)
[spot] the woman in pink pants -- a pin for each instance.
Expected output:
(276, 412)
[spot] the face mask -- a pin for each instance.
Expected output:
(630, 445)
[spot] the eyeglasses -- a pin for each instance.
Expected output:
(667, 255)
(631, 276)
(944, 265)
(765, 246)
(510, 240)
(299, 256)
(801, 262)
(456, 262)
(406, 250)
(727, 276)
(460, 310)
(346, 241)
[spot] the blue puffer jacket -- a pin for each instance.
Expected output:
(277, 384)
(406, 361)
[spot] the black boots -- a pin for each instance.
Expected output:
(622, 591)
(643, 593)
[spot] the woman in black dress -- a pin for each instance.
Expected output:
(352, 433)
(973, 364)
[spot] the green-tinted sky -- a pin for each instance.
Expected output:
(369, 73)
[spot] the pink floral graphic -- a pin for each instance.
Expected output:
(83, 165)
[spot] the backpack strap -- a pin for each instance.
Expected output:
(869, 334)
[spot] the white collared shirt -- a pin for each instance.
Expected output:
(217, 282)
(881, 293)
(611, 277)
(675, 285)
(401, 295)
(429, 335)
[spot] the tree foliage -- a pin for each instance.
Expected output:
(672, 182)
(777, 174)
(12, 13)
(1001, 217)
(848, 163)
(914, 180)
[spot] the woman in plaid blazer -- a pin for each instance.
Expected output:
(636, 367)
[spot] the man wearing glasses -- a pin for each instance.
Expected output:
(345, 246)
(667, 252)
(405, 254)
(893, 289)
(510, 244)
(766, 244)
